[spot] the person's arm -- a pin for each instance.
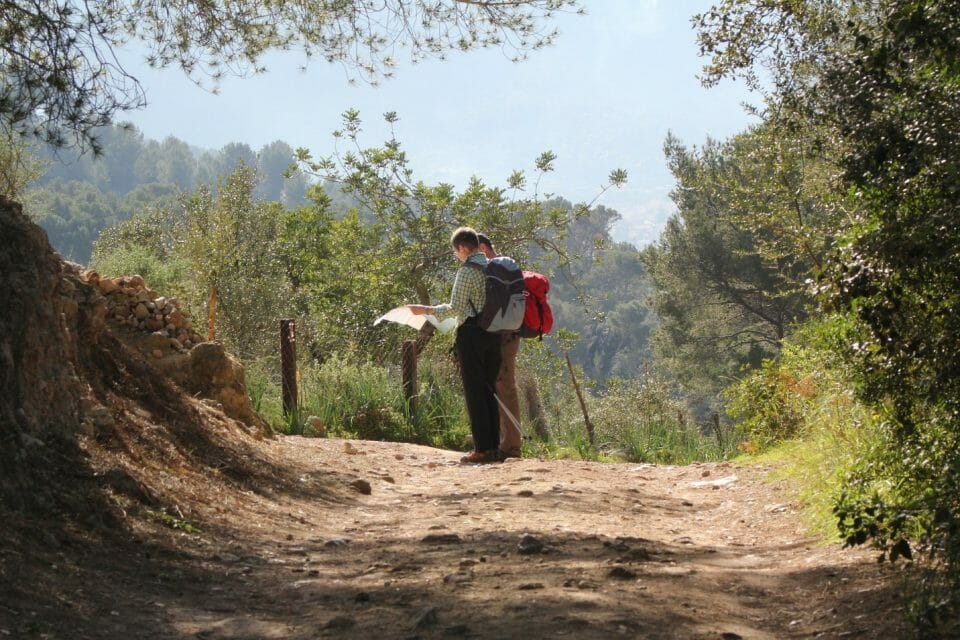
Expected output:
(466, 285)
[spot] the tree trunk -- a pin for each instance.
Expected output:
(531, 397)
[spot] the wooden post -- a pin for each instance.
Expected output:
(716, 430)
(583, 404)
(288, 366)
(212, 318)
(408, 374)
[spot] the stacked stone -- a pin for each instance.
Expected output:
(130, 302)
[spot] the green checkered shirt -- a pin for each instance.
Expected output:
(469, 285)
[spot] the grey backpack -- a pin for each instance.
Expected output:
(506, 303)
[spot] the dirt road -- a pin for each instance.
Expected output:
(524, 549)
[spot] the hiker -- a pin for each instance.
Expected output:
(511, 438)
(478, 350)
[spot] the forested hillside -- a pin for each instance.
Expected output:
(82, 194)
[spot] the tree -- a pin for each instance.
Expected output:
(60, 77)
(884, 96)
(230, 245)
(273, 161)
(73, 214)
(730, 265)
(20, 166)
(232, 155)
(410, 222)
(598, 291)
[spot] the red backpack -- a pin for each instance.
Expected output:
(538, 317)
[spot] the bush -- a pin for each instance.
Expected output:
(803, 410)
(640, 420)
(163, 276)
(768, 405)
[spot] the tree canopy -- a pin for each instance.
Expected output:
(61, 76)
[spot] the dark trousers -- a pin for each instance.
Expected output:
(478, 352)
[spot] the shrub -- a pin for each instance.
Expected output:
(640, 420)
(160, 275)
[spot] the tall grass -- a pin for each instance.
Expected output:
(801, 412)
(635, 421)
(359, 399)
(642, 420)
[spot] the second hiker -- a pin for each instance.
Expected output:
(511, 437)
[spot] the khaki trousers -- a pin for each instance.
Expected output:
(511, 436)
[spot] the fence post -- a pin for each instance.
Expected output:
(409, 374)
(288, 366)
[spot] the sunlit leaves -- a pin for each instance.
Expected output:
(725, 297)
(408, 222)
(61, 79)
(231, 242)
(877, 83)
(544, 161)
(617, 177)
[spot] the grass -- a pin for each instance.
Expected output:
(634, 421)
(364, 400)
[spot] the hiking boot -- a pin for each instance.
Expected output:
(510, 453)
(480, 457)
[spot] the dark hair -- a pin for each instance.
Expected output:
(465, 236)
(483, 239)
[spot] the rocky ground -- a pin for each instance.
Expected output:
(368, 539)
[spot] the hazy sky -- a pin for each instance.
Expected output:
(603, 97)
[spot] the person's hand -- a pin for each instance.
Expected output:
(419, 309)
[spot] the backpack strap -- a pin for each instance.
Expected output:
(540, 315)
(476, 314)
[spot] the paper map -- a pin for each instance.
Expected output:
(403, 315)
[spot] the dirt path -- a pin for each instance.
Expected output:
(524, 549)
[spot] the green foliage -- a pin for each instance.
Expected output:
(160, 275)
(79, 197)
(230, 244)
(807, 384)
(169, 520)
(394, 246)
(769, 404)
(157, 230)
(229, 241)
(876, 86)
(20, 165)
(642, 420)
(73, 213)
(356, 398)
(599, 293)
(801, 412)
(729, 267)
(61, 77)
